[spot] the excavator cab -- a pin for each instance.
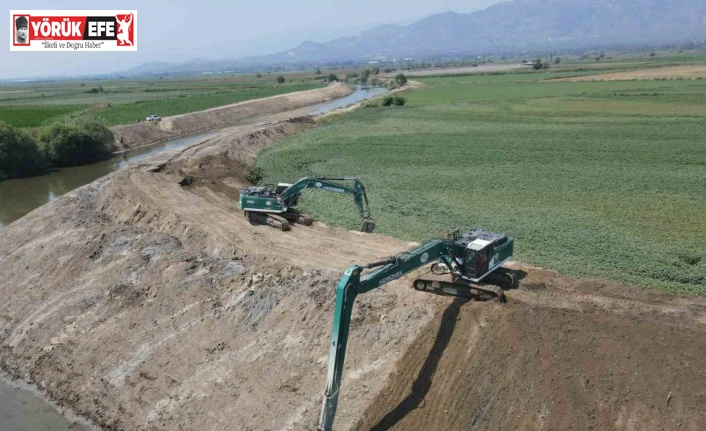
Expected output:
(281, 187)
(478, 258)
(483, 253)
(257, 191)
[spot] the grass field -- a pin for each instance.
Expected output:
(597, 179)
(30, 116)
(123, 101)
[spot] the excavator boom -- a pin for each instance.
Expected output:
(348, 288)
(292, 193)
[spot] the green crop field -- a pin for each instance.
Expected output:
(129, 112)
(38, 104)
(596, 179)
(31, 116)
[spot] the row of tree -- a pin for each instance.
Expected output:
(60, 145)
(361, 77)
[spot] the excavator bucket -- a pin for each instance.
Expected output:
(368, 225)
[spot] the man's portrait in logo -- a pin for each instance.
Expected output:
(21, 30)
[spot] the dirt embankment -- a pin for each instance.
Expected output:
(145, 305)
(563, 354)
(145, 133)
(482, 68)
(676, 72)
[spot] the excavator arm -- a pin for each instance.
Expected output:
(351, 285)
(291, 194)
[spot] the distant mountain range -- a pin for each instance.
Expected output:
(512, 26)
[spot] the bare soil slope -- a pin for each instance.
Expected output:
(563, 354)
(144, 305)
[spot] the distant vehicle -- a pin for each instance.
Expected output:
(154, 118)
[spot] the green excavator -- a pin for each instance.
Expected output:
(467, 265)
(276, 205)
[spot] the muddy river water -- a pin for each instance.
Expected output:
(21, 408)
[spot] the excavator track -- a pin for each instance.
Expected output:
(502, 277)
(450, 285)
(297, 217)
(273, 220)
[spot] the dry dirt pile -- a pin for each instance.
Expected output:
(142, 304)
(676, 72)
(145, 133)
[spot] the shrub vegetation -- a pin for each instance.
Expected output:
(386, 101)
(19, 154)
(85, 143)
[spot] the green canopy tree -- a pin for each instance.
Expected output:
(85, 143)
(364, 76)
(19, 154)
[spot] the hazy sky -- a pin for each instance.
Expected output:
(176, 30)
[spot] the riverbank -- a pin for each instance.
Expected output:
(33, 409)
(105, 262)
(142, 134)
(24, 408)
(20, 196)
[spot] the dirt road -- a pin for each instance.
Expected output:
(675, 72)
(483, 68)
(142, 304)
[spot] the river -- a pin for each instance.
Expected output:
(23, 409)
